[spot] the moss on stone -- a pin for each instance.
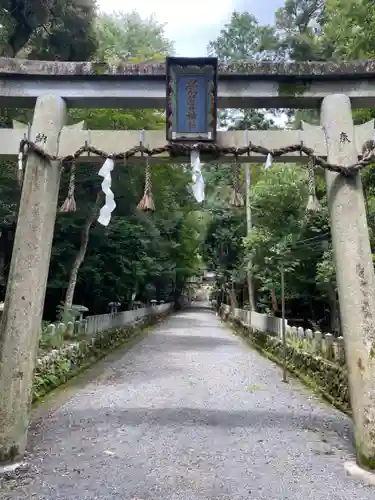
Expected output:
(99, 69)
(366, 462)
(293, 71)
(293, 89)
(9, 455)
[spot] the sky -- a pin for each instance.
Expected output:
(191, 24)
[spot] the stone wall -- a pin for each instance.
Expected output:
(81, 348)
(318, 359)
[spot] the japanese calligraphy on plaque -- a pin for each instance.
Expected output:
(191, 99)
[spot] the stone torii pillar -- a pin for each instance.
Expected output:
(24, 301)
(354, 269)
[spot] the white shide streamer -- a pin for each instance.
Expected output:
(198, 182)
(268, 161)
(20, 161)
(109, 204)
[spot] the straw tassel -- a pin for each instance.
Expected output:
(69, 204)
(236, 199)
(313, 204)
(147, 202)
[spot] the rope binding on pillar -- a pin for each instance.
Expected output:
(236, 199)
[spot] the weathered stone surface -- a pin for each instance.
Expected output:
(311, 69)
(24, 300)
(354, 271)
(69, 332)
(142, 85)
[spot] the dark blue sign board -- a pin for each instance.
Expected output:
(191, 99)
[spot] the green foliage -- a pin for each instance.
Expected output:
(326, 271)
(222, 246)
(299, 25)
(283, 234)
(48, 29)
(243, 39)
(349, 29)
(65, 315)
(278, 204)
(149, 254)
(123, 37)
(70, 35)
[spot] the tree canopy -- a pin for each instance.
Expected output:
(284, 233)
(48, 29)
(146, 255)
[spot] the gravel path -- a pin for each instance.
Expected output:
(190, 413)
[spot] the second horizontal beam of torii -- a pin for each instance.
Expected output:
(117, 141)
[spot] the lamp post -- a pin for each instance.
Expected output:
(283, 332)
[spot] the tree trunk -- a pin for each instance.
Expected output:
(251, 292)
(232, 297)
(79, 257)
(17, 40)
(275, 306)
(25, 20)
(177, 292)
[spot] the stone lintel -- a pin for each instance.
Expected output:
(117, 92)
(143, 85)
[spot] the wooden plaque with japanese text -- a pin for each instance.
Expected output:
(191, 99)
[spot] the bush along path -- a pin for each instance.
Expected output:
(57, 366)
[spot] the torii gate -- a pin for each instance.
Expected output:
(53, 86)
